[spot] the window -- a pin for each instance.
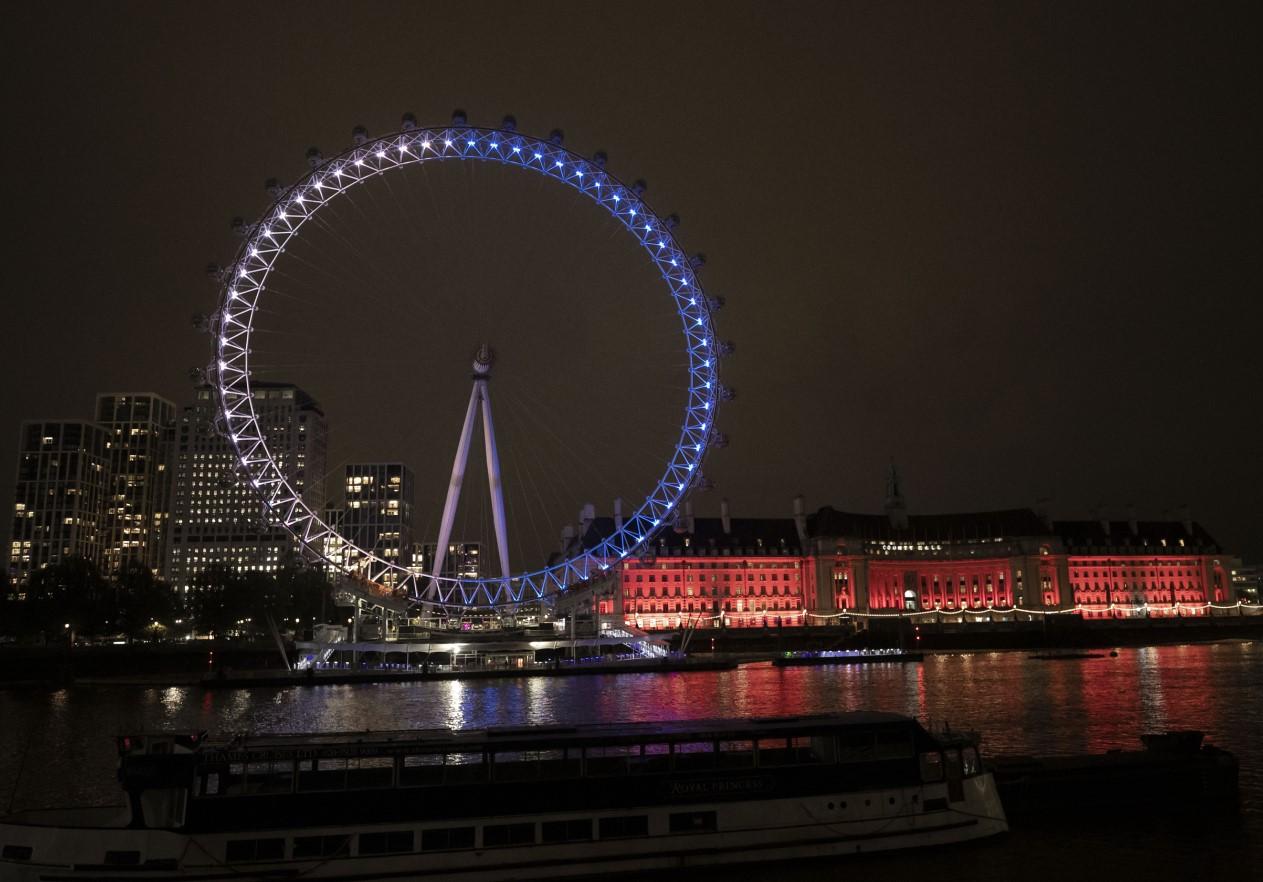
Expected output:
(736, 754)
(855, 747)
(623, 827)
(322, 846)
(931, 766)
(420, 770)
(694, 822)
(895, 744)
(611, 759)
(391, 842)
(122, 858)
(578, 830)
(690, 755)
(245, 850)
(446, 838)
(496, 835)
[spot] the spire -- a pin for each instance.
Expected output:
(896, 508)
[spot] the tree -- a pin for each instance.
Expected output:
(141, 601)
(71, 592)
(221, 600)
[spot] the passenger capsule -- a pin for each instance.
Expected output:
(359, 136)
(509, 123)
(600, 158)
(459, 118)
(408, 122)
(556, 136)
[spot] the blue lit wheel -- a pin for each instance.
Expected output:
(246, 283)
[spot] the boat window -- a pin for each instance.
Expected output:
(233, 783)
(736, 754)
(894, 744)
(515, 765)
(322, 774)
(122, 858)
(971, 763)
(774, 752)
(391, 842)
(797, 751)
(815, 749)
(422, 770)
(560, 763)
(370, 771)
(623, 827)
(610, 759)
(690, 755)
(855, 747)
(277, 777)
(210, 784)
(322, 846)
(245, 850)
(578, 830)
(653, 758)
(496, 835)
(17, 852)
(446, 838)
(954, 764)
(694, 822)
(931, 766)
(464, 767)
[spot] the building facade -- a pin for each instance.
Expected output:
(831, 565)
(377, 510)
(63, 483)
(217, 519)
(141, 429)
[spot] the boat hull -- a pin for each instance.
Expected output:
(713, 834)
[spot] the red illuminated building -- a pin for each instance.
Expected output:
(824, 567)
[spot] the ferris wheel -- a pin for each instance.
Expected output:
(246, 287)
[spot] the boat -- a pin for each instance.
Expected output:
(515, 803)
(1174, 771)
(847, 657)
(1065, 656)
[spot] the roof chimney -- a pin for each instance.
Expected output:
(724, 518)
(1099, 514)
(800, 520)
(1041, 512)
(618, 512)
(567, 538)
(1186, 515)
(1132, 523)
(688, 517)
(896, 508)
(587, 515)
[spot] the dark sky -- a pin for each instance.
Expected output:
(1013, 246)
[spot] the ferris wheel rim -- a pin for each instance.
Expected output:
(246, 282)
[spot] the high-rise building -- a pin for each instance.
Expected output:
(217, 518)
(462, 561)
(377, 509)
(141, 430)
(63, 481)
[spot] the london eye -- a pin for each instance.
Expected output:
(247, 286)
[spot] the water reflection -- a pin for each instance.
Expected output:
(1019, 705)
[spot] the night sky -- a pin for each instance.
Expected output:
(1012, 247)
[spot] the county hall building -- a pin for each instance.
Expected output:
(814, 569)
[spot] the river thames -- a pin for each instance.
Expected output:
(56, 747)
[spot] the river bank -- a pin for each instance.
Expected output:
(250, 663)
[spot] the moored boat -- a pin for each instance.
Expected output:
(539, 802)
